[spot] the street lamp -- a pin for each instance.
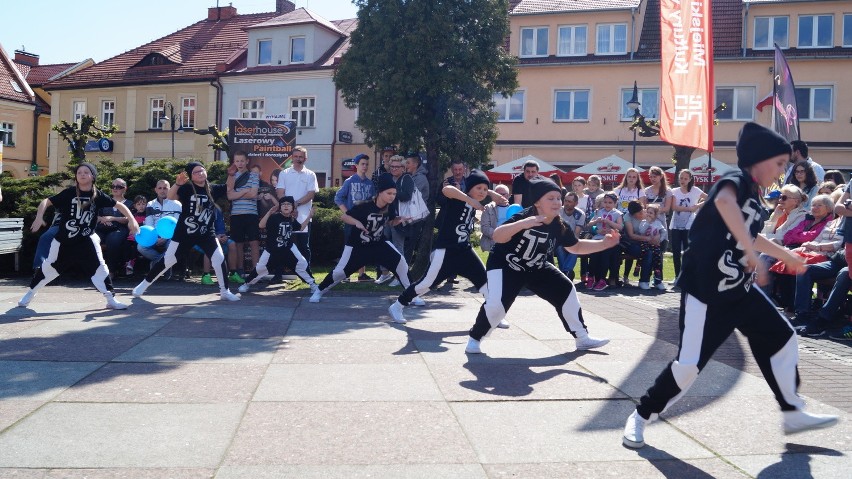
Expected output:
(171, 119)
(633, 104)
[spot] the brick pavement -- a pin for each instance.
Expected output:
(825, 365)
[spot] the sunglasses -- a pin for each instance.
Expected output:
(118, 187)
(785, 198)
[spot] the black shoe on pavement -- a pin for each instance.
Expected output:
(814, 329)
(802, 318)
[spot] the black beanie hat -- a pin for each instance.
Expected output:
(191, 166)
(385, 182)
(91, 168)
(474, 178)
(757, 143)
(287, 199)
(540, 186)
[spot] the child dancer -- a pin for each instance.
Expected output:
(76, 243)
(453, 254)
(194, 227)
(652, 250)
(718, 270)
(280, 250)
(524, 244)
(367, 244)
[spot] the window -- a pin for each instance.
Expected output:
(612, 39)
(770, 30)
(252, 108)
(9, 139)
(534, 42)
(107, 112)
(297, 50)
(847, 30)
(740, 102)
(814, 103)
(303, 111)
(264, 52)
(78, 109)
(572, 40)
(571, 105)
(187, 112)
(509, 108)
(158, 111)
(15, 86)
(649, 103)
(816, 31)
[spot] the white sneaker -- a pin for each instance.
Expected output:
(384, 278)
(394, 283)
(503, 324)
(661, 286)
(418, 301)
(588, 342)
(315, 297)
(644, 285)
(314, 288)
(140, 288)
(800, 421)
(227, 295)
(25, 300)
(395, 311)
(112, 303)
(243, 288)
(634, 431)
(472, 347)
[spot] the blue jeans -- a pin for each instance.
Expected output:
(805, 283)
(43, 247)
(567, 261)
(837, 296)
(153, 254)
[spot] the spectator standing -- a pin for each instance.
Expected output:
(384, 166)
(630, 189)
(417, 173)
(300, 183)
(242, 190)
(687, 200)
(493, 216)
(157, 208)
(801, 153)
(659, 193)
(521, 184)
(356, 189)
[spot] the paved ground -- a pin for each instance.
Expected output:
(181, 385)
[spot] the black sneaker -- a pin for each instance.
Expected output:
(277, 279)
(813, 330)
(802, 318)
(844, 334)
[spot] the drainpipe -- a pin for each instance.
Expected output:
(218, 86)
(632, 31)
(745, 28)
(334, 135)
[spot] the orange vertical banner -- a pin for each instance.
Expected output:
(686, 94)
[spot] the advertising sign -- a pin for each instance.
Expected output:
(268, 143)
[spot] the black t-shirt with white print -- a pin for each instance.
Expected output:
(530, 249)
(714, 264)
(374, 219)
(197, 215)
(457, 225)
(279, 231)
(78, 212)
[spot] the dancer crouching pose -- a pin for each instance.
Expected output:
(366, 244)
(717, 294)
(453, 254)
(195, 226)
(523, 246)
(280, 250)
(76, 242)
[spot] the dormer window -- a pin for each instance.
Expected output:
(153, 60)
(297, 50)
(264, 52)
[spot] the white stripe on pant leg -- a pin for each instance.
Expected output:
(783, 364)
(436, 262)
(494, 299)
(260, 268)
(685, 367)
(169, 258)
(571, 313)
(47, 268)
(301, 265)
(102, 272)
(338, 273)
(401, 267)
(216, 260)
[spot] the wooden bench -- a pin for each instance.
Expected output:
(11, 238)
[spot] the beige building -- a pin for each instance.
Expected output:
(578, 61)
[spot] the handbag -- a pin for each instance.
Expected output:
(811, 257)
(415, 209)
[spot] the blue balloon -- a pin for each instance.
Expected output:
(513, 209)
(146, 236)
(166, 227)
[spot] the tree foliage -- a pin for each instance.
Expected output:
(77, 135)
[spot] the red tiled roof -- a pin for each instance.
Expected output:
(727, 30)
(195, 50)
(532, 7)
(12, 84)
(298, 16)
(40, 74)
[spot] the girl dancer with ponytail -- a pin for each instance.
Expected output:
(195, 227)
(524, 244)
(76, 243)
(453, 254)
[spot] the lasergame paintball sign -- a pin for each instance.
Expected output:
(268, 143)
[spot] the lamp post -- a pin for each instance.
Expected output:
(171, 119)
(633, 104)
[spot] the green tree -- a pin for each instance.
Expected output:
(422, 74)
(77, 135)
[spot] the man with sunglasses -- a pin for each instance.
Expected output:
(300, 183)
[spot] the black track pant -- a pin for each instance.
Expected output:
(548, 283)
(704, 327)
(289, 258)
(179, 251)
(445, 263)
(382, 253)
(85, 254)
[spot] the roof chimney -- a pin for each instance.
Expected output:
(221, 13)
(284, 6)
(26, 58)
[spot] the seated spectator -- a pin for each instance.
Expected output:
(804, 177)
(112, 229)
(821, 321)
(140, 203)
(228, 248)
(826, 188)
(607, 219)
(574, 218)
(652, 250)
(157, 208)
(493, 216)
(830, 243)
(835, 176)
(633, 236)
(787, 214)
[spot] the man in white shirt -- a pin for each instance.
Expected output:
(155, 209)
(300, 183)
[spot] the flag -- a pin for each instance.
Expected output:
(770, 99)
(786, 108)
(686, 94)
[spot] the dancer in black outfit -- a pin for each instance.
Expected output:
(76, 243)
(522, 254)
(195, 227)
(280, 251)
(719, 268)
(453, 254)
